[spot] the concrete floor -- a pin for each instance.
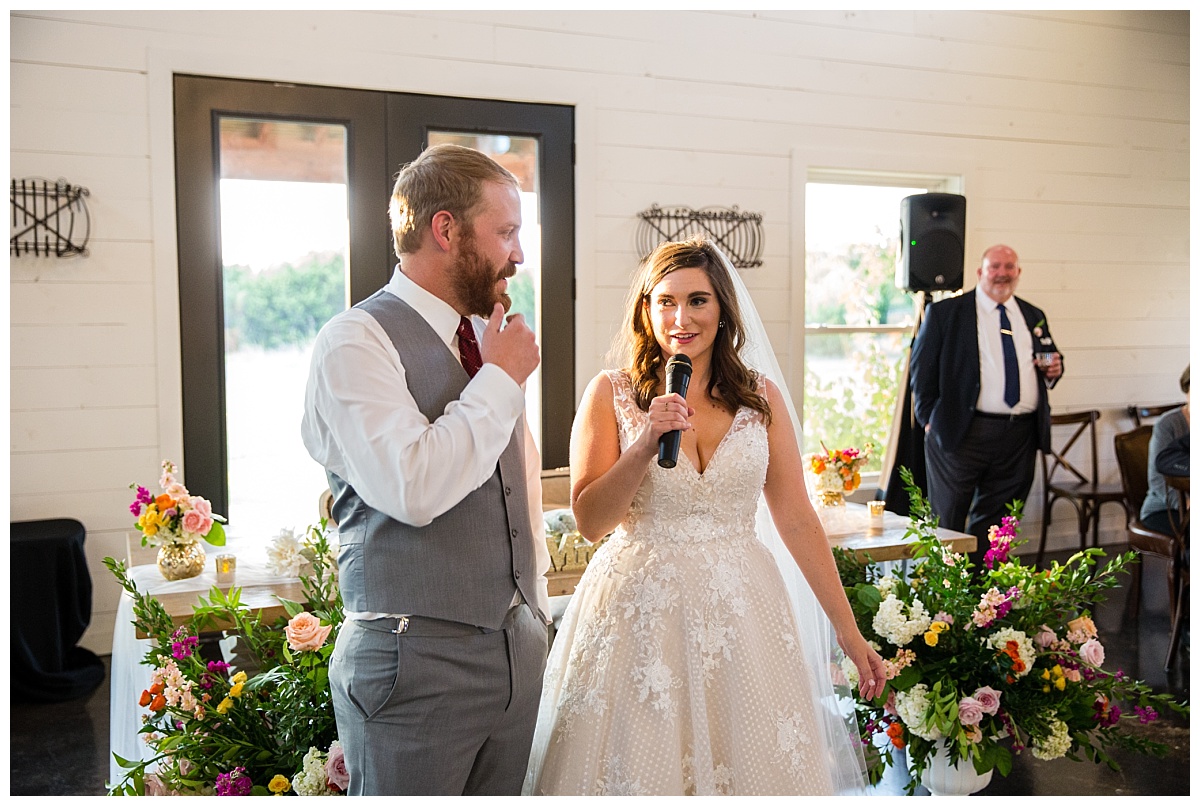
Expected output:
(62, 748)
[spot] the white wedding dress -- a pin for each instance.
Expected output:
(677, 668)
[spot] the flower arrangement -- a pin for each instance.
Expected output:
(836, 472)
(174, 516)
(983, 664)
(216, 729)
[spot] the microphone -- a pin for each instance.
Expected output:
(679, 374)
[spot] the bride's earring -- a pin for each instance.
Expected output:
(721, 323)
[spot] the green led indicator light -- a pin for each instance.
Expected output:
(912, 243)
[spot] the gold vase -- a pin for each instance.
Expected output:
(182, 560)
(827, 499)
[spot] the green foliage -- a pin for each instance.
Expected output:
(854, 409)
(263, 723)
(952, 637)
(283, 306)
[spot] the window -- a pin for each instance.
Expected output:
(857, 323)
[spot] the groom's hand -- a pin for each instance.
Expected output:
(513, 349)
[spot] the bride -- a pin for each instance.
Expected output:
(692, 659)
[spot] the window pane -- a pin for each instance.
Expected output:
(284, 246)
(519, 155)
(852, 236)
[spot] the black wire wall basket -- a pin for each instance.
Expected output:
(45, 216)
(738, 234)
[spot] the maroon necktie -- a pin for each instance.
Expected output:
(468, 348)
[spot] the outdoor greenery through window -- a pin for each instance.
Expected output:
(857, 322)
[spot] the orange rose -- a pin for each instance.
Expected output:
(144, 700)
(158, 703)
(895, 732)
(164, 502)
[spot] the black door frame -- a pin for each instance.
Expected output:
(384, 131)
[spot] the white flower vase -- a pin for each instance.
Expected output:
(942, 777)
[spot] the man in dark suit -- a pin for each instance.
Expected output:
(980, 368)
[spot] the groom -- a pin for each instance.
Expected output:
(415, 409)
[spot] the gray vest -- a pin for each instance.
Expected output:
(464, 566)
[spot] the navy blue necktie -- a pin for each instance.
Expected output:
(1012, 377)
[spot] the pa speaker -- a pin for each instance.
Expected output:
(932, 227)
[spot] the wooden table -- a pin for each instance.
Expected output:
(853, 533)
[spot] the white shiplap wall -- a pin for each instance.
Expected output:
(1070, 131)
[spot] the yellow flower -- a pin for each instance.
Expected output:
(279, 784)
(149, 521)
(238, 681)
(224, 707)
(939, 626)
(931, 637)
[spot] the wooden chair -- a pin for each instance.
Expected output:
(1180, 521)
(1064, 481)
(1133, 456)
(1140, 414)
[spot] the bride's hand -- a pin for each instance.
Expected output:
(666, 413)
(872, 676)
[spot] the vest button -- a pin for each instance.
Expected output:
(516, 574)
(508, 490)
(514, 534)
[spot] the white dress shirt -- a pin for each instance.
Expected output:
(991, 357)
(362, 423)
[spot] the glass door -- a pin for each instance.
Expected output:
(282, 196)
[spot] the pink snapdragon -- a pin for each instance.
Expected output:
(1000, 540)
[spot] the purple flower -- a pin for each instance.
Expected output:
(218, 666)
(136, 509)
(234, 783)
(1145, 715)
(183, 649)
(144, 496)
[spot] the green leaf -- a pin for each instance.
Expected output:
(293, 608)
(216, 535)
(868, 595)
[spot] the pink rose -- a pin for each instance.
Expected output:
(335, 767)
(154, 785)
(970, 711)
(201, 505)
(1092, 652)
(988, 699)
(195, 522)
(305, 633)
(1045, 638)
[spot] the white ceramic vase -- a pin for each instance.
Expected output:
(941, 777)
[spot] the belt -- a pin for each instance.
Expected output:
(425, 627)
(987, 415)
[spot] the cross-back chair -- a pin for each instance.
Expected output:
(1076, 481)
(1140, 414)
(1133, 459)
(1180, 521)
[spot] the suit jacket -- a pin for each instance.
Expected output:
(944, 369)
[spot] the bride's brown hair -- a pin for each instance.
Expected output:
(730, 381)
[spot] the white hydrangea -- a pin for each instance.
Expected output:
(311, 778)
(283, 554)
(912, 707)
(891, 623)
(886, 585)
(1025, 650)
(1055, 745)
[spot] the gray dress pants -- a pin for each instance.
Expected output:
(441, 709)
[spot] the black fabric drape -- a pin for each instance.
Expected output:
(51, 608)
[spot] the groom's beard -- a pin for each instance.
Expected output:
(475, 279)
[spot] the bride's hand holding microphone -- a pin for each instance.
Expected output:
(668, 414)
